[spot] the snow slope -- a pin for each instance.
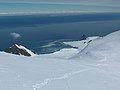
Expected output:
(107, 48)
(62, 54)
(83, 43)
(97, 67)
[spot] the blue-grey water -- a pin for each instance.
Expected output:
(39, 30)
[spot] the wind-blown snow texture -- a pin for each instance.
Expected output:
(95, 67)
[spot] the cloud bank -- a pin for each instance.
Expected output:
(98, 2)
(15, 35)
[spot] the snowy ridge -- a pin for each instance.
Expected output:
(106, 47)
(97, 67)
(63, 53)
(23, 48)
(83, 43)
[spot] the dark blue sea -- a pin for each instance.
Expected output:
(37, 31)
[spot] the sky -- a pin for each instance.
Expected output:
(58, 6)
(90, 2)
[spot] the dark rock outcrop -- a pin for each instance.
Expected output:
(16, 50)
(84, 37)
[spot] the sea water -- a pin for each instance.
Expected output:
(45, 33)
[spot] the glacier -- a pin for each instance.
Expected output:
(91, 66)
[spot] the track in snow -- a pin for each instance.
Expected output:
(49, 80)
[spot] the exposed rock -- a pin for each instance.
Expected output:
(18, 50)
(84, 37)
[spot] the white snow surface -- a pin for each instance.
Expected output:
(63, 53)
(95, 67)
(107, 47)
(83, 43)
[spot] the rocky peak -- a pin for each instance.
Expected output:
(19, 50)
(83, 37)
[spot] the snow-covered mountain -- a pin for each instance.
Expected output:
(95, 66)
(83, 43)
(106, 48)
(19, 50)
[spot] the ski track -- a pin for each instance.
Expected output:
(49, 80)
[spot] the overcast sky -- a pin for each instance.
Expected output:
(90, 2)
(16, 6)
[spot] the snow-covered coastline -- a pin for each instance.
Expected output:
(93, 66)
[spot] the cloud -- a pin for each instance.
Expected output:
(15, 35)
